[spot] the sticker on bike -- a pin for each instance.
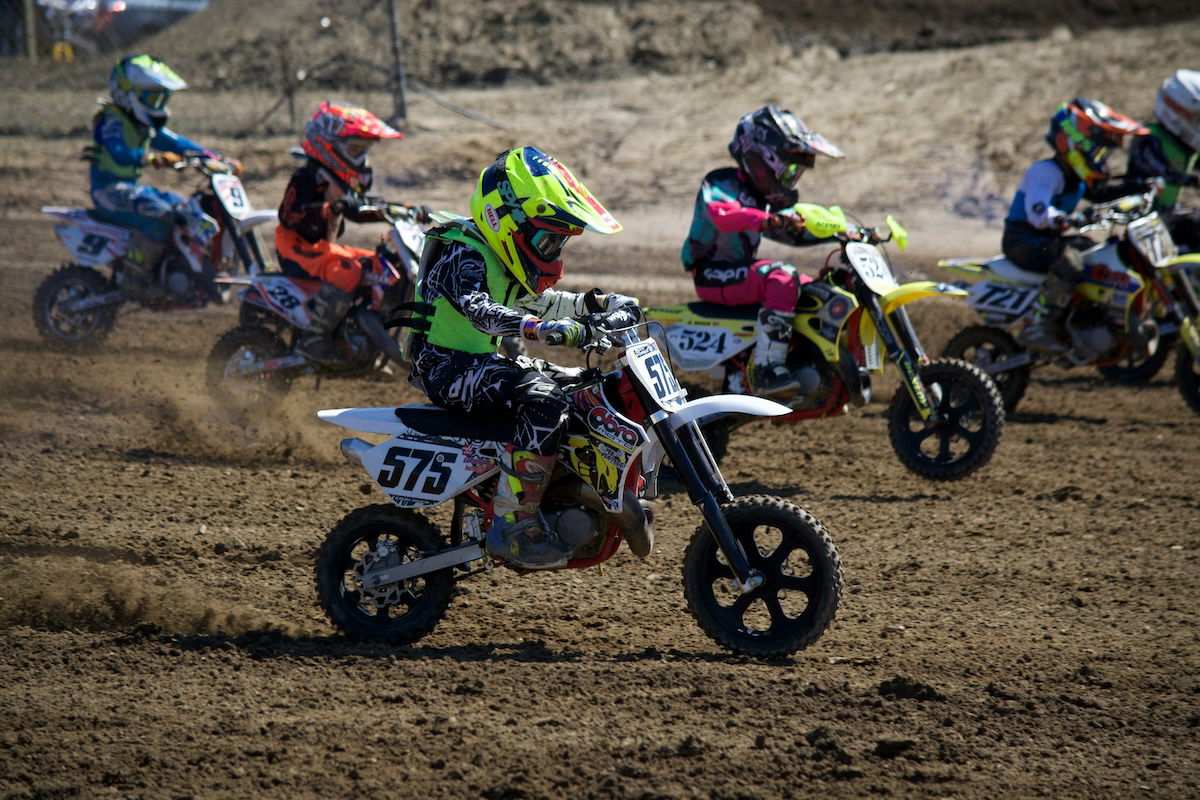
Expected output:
(646, 361)
(1002, 298)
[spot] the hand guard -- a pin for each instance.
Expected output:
(1078, 219)
(235, 166)
(555, 332)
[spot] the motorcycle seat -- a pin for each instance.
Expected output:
(1003, 268)
(705, 309)
(438, 421)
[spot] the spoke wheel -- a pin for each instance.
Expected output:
(246, 393)
(802, 579)
(74, 330)
(984, 346)
(397, 613)
(962, 435)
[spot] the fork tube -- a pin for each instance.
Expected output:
(685, 454)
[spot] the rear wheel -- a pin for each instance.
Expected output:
(1187, 373)
(802, 583)
(397, 613)
(964, 434)
(231, 356)
(985, 346)
(73, 330)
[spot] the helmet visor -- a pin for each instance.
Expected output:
(154, 99)
(794, 167)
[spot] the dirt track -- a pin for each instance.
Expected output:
(1029, 631)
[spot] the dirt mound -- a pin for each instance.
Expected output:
(347, 46)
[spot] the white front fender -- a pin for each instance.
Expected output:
(726, 404)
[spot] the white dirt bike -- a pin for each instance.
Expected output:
(761, 575)
(76, 306)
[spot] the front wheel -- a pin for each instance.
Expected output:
(1134, 370)
(67, 329)
(235, 352)
(1188, 375)
(984, 346)
(965, 429)
(802, 583)
(397, 613)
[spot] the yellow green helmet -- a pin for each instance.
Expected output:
(526, 205)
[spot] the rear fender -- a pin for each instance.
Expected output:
(970, 267)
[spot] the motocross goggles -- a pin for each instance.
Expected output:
(795, 166)
(155, 99)
(547, 245)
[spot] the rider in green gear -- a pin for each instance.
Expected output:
(492, 276)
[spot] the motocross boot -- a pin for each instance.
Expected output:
(770, 374)
(327, 308)
(1041, 332)
(137, 272)
(517, 534)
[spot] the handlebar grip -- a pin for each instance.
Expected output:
(555, 339)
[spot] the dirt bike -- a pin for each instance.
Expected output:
(946, 418)
(761, 575)
(77, 305)
(251, 367)
(1136, 301)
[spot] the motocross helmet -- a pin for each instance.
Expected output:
(141, 85)
(774, 147)
(1177, 106)
(526, 205)
(1083, 132)
(338, 137)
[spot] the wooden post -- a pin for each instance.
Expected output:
(31, 39)
(399, 83)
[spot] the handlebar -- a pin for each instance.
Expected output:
(599, 329)
(203, 164)
(1120, 211)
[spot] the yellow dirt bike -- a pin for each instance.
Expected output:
(1137, 299)
(946, 418)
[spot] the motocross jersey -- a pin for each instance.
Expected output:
(1162, 155)
(306, 207)
(1046, 195)
(121, 144)
(474, 298)
(727, 222)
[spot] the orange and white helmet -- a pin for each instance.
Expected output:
(338, 137)
(1085, 131)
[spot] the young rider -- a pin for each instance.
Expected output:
(735, 208)
(492, 276)
(321, 195)
(126, 132)
(1082, 133)
(1171, 152)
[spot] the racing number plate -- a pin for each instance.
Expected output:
(232, 194)
(1153, 240)
(648, 365)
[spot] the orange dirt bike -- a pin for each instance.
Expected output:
(761, 575)
(946, 418)
(1136, 303)
(77, 305)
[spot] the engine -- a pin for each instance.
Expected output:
(574, 526)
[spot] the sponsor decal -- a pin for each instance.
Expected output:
(493, 219)
(605, 423)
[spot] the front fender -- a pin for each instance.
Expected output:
(715, 405)
(908, 292)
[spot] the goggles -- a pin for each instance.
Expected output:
(547, 244)
(154, 98)
(795, 166)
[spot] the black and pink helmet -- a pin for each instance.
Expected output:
(773, 147)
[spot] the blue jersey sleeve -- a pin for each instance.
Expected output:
(169, 141)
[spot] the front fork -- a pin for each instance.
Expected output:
(904, 348)
(707, 489)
